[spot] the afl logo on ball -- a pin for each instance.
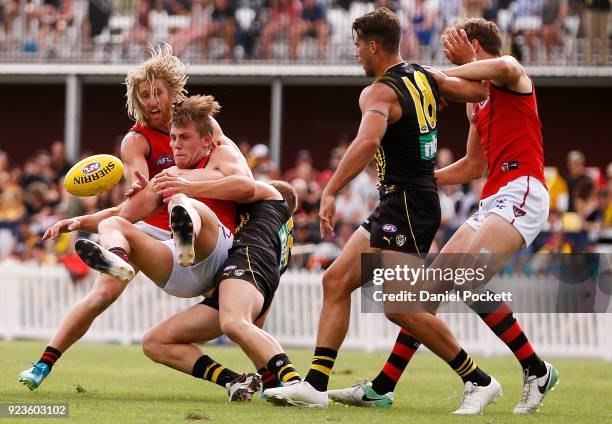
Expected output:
(91, 167)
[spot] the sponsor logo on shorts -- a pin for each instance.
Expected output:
(239, 273)
(400, 239)
(229, 268)
(387, 239)
(500, 203)
(389, 228)
(518, 211)
(91, 167)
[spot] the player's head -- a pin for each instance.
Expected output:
(287, 191)
(377, 36)
(191, 131)
(154, 86)
(484, 35)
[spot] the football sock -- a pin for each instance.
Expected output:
(268, 379)
(208, 369)
(121, 252)
(502, 322)
(321, 367)
(50, 356)
(282, 368)
(466, 368)
(404, 349)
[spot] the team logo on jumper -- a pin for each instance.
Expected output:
(509, 166)
(400, 239)
(164, 160)
(92, 167)
(229, 268)
(239, 273)
(389, 228)
(518, 211)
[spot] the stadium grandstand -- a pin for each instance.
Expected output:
(287, 80)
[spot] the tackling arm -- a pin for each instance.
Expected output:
(227, 177)
(458, 89)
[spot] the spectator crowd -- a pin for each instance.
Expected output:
(537, 31)
(32, 198)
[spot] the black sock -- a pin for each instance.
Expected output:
(466, 368)
(282, 368)
(321, 367)
(208, 369)
(268, 379)
(121, 252)
(50, 356)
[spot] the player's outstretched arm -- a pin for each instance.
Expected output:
(458, 89)
(469, 167)
(503, 71)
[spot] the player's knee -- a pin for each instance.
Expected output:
(152, 346)
(235, 328)
(113, 222)
(397, 318)
(335, 284)
(101, 298)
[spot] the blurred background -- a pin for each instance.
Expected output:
(285, 75)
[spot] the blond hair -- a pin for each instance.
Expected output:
(198, 109)
(161, 65)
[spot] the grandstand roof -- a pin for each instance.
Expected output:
(254, 73)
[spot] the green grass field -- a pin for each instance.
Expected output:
(118, 384)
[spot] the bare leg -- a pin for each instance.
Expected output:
(239, 304)
(170, 342)
(75, 324)
(152, 256)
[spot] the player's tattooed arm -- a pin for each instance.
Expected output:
(361, 151)
(378, 112)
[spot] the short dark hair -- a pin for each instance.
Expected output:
(486, 32)
(381, 25)
(287, 191)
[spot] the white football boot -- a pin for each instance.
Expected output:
(297, 393)
(476, 398)
(534, 390)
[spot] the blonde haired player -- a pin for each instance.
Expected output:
(151, 90)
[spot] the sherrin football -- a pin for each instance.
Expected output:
(94, 175)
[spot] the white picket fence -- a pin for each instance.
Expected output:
(34, 299)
